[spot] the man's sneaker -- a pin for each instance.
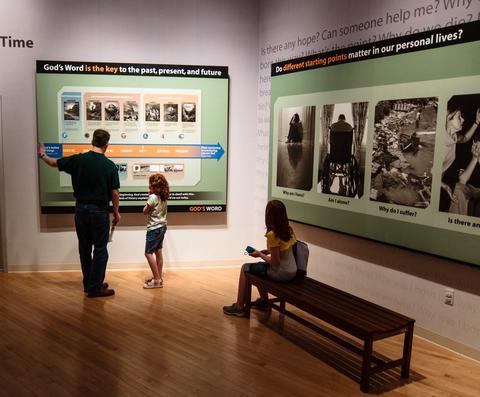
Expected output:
(261, 305)
(233, 310)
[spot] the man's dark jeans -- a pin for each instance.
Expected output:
(92, 223)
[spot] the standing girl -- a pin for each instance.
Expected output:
(278, 262)
(156, 211)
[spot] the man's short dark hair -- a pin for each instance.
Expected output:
(100, 138)
(341, 117)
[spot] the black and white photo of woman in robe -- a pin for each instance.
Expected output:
(341, 169)
(403, 149)
(460, 188)
(94, 110)
(296, 137)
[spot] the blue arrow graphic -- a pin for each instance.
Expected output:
(211, 151)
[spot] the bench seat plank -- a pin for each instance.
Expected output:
(343, 310)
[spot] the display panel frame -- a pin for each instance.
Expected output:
(162, 118)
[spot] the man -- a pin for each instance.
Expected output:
(95, 183)
(341, 125)
(341, 138)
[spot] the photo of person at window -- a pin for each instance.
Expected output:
(295, 144)
(460, 175)
(295, 131)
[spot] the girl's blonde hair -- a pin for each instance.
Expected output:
(159, 185)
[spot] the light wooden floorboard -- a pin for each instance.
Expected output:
(176, 341)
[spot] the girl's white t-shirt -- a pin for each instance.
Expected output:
(157, 217)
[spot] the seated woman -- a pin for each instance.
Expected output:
(278, 261)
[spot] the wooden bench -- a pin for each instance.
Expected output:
(362, 319)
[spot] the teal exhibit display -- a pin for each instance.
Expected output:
(169, 119)
(383, 140)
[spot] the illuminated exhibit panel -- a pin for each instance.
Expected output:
(385, 144)
(161, 119)
(144, 125)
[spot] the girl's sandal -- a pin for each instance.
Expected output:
(153, 284)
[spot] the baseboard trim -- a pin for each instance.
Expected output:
(70, 267)
(447, 343)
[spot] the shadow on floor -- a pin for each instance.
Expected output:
(338, 357)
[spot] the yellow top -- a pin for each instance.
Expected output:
(287, 269)
(274, 241)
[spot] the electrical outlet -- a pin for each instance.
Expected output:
(449, 293)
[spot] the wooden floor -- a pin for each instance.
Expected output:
(176, 341)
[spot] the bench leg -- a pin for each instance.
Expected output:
(248, 298)
(282, 315)
(366, 365)
(407, 351)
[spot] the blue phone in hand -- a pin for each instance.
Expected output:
(249, 249)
